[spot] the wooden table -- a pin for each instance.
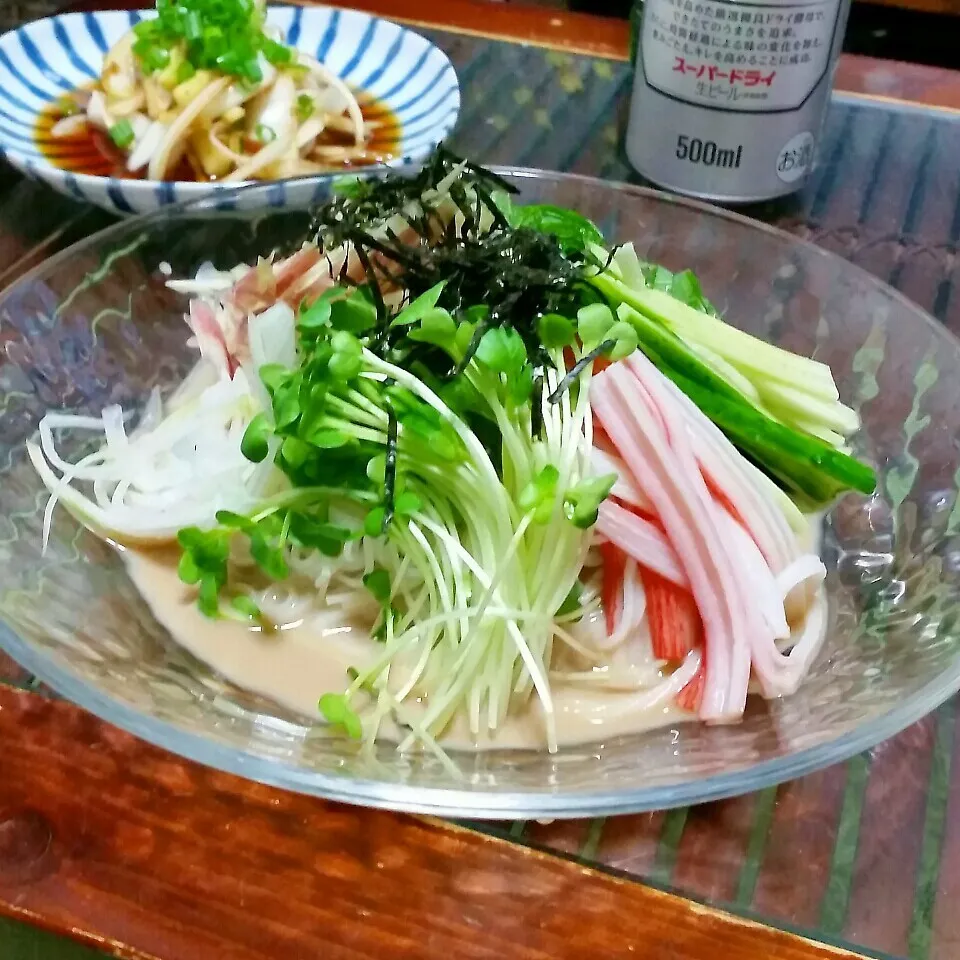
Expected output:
(138, 854)
(922, 6)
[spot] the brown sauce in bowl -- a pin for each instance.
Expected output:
(92, 152)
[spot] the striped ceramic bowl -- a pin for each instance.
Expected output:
(41, 61)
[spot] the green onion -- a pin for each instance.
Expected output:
(230, 62)
(305, 107)
(67, 107)
(121, 133)
(277, 53)
(152, 57)
(192, 27)
(146, 29)
(250, 71)
(185, 72)
(265, 134)
(224, 35)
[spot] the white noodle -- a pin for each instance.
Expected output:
(262, 158)
(330, 79)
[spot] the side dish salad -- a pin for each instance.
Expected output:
(207, 91)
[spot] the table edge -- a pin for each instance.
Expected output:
(58, 763)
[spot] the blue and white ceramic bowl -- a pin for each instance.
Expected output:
(41, 61)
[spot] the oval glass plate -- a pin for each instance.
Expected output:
(96, 325)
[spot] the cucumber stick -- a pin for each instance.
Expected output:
(753, 357)
(813, 472)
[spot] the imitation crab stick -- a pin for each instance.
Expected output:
(675, 625)
(741, 485)
(642, 540)
(603, 462)
(632, 419)
(611, 586)
(739, 557)
(622, 595)
(691, 695)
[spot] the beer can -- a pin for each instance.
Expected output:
(729, 96)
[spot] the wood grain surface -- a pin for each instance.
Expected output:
(921, 6)
(607, 37)
(164, 858)
(527, 23)
(562, 29)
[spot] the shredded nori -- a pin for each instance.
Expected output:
(574, 372)
(519, 274)
(505, 276)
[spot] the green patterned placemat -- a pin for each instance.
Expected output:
(20, 942)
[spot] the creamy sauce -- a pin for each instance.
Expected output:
(310, 653)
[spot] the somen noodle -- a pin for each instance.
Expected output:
(509, 461)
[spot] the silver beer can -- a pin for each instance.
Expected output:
(729, 97)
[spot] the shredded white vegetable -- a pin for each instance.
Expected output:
(300, 118)
(177, 468)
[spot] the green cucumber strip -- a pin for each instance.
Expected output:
(794, 404)
(798, 520)
(813, 468)
(662, 344)
(835, 440)
(628, 265)
(747, 353)
(729, 372)
(804, 465)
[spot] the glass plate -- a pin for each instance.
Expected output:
(96, 325)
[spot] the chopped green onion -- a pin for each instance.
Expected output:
(215, 39)
(186, 71)
(230, 61)
(146, 29)
(192, 27)
(305, 107)
(152, 57)
(250, 70)
(277, 53)
(265, 134)
(121, 133)
(224, 35)
(67, 107)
